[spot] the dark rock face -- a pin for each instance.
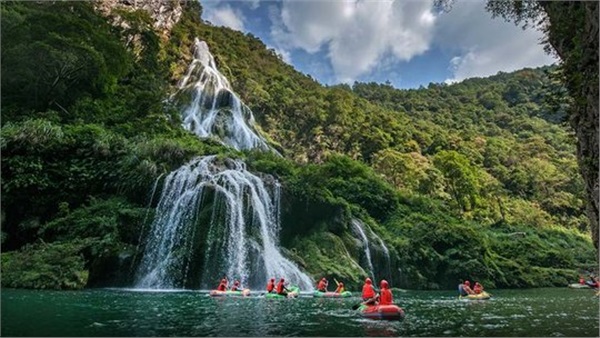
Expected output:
(573, 33)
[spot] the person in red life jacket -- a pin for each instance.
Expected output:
(322, 286)
(340, 288)
(478, 288)
(467, 288)
(271, 285)
(385, 295)
(281, 289)
(581, 280)
(223, 285)
(236, 286)
(369, 295)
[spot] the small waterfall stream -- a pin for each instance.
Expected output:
(357, 225)
(242, 231)
(359, 228)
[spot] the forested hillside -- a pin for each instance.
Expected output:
(472, 180)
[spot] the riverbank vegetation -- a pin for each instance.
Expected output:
(472, 180)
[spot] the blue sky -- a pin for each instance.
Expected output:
(408, 43)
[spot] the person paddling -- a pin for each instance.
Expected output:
(281, 289)
(223, 285)
(369, 295)
(322, 286)
(385, 295)
(340, 288)
(467, 288)
(236, 286)
(271, 285)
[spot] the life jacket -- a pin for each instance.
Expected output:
(368, 292)
(280, 287)
(386, 297)
(339, 289)
(222, 287)
(270, 286)
(322, 286)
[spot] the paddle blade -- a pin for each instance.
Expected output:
(356, 306)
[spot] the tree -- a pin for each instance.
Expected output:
(460, 178)
(571, 29)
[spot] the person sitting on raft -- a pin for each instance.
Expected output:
(271, 285)
(281, 289)
(223, 285)
(236, 286)
(461, 288)
(369, 295)
(478, 288)
(467, 288)
(340, 288)
(385, 295)
(322, 286)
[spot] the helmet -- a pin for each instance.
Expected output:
(282, 280)
(236, 283)
(467, 283)
(384, 284)
(368, 281)
(272, 279)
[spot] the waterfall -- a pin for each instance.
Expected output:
(243, 230)
(211, 108)
(386, 252)
(359, 227)
(214, 208)
(365, 241)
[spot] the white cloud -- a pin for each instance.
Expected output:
(224, 15)
(356, 35)
(484, 46)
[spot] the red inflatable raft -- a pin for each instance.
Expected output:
(387, 312)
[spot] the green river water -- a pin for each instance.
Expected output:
(118, 312)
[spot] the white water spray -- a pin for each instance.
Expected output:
(210, 108)
(242, 234)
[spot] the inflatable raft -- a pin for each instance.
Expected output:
(482, 296)
(320, 294)
(579, 286)
(381, 312)
(293, 293)
(228, 293)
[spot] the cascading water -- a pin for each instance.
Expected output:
(241, 234)
(211, 108)
(357, 225)
(359, 228)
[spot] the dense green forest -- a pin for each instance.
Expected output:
(472, 180)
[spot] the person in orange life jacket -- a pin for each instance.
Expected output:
(340, 288)
(477, 288)
(467, 288)
(369, 295)
(236, 286)
(223, 285)
(271, 285)
(281, 289)
(322, 286)
(385, 295)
